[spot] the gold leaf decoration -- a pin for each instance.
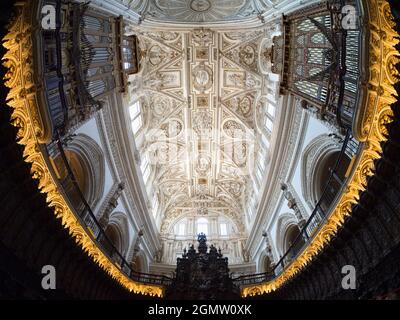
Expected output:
(370, 129)
(26, 117)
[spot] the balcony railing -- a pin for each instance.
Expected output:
(332, 190)
(342, 98)
(93, 226)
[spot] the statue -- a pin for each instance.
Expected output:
(268, 247)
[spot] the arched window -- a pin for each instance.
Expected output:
(265, 142)
(202, 226)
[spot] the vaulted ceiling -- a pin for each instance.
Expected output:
(199, 93)
(180, 11)
(191, 12)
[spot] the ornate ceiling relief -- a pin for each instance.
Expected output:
(201, 88)
(182, 11)
(162, 64)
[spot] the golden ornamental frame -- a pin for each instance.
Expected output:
(369, 128)
(26, 116)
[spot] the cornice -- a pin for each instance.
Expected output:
(123, 152)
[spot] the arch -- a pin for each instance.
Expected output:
(285, 221)
(318, 160)
(114, 235)
(140, 263)
(265, 263)
(319, 148)
(86, 160)
(292, 232)
(80, 172)
(118, 221)
(322, 175)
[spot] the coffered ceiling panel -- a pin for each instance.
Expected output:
(200, 90)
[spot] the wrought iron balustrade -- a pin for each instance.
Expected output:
(93, 226)
(332, 190)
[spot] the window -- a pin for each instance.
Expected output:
(261, 162)
(181, 229)
(223, 229)
(136, 117)
(265, 141)
(269, 124)
(155, 205)
(202, 226)
(259, 175)
(129, 55)
(260, 167)
(271, 110)
(145, 168)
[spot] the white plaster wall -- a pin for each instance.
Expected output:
(91, 130)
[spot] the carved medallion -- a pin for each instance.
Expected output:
(172, 128)
(202, 123)
(233, 129)
(200, 5)
(203, 164)
(156, 55)
(202, 78)
(161, 106)
(247, 55)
